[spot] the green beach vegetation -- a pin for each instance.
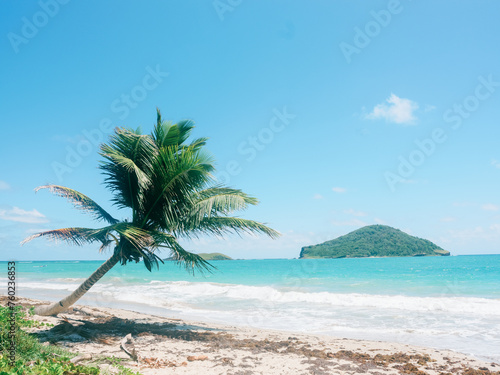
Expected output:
(35, 358)
(373, 241)
(31, 357)
(167, 186)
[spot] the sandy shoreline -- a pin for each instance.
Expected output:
(174, 346)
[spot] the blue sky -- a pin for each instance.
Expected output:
(335, 114)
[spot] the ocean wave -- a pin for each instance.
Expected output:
(49, 286)
(68, 279)
(159, 293)
(267, 294)
(197, 293)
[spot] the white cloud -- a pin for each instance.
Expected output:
(495, 228)
(470, 233)
(495, 163)
(4, 185)
(22, 216)
(379, 221)
(354, 212)
(317, 196)
(491, 232)
(490, 207)
(339, 189)
(397, 110)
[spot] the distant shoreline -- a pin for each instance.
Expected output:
(102, 260)
(295, 258)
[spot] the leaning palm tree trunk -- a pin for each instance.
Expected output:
(64, 304)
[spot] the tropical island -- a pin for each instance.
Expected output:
(373, 241)
(214, 256)
(206, 256)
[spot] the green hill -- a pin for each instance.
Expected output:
(214, 256)
(373, 241)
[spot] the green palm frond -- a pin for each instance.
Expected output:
(74, 236)
(217, 201)
(197, 144)
(127, 166)
(189, 260)
(122, 162)
(173, 162)
(185, 128)
(105, 245)
(150, 258)
(225, 225)
(80, 201)
(177, 175)
(138, 238)
(166, 134)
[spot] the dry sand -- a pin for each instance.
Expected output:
(173, 346)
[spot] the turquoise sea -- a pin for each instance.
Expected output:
(442, 302)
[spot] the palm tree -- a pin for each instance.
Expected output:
(168, 188)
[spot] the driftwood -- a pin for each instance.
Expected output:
(127, 345)
(197, 358)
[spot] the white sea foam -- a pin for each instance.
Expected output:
(158, 292)
(189, 291)
(60, 285)
(448, 322)
(67, 279)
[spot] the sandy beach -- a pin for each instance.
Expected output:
(171, 346)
